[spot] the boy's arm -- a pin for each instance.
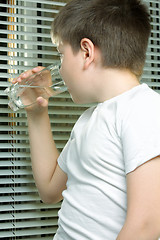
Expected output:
(49, 178)
(143, 211)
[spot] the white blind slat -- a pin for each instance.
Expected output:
(30, 206)
(30, 224)
(20, 198)
(29, 8)
(23, 33)
(53, 3)
(28, 42)
(15, 50)
(29, 215)
(25, 232)
(25, 25)
(29, 17)
(23, 189)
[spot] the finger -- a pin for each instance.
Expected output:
(42, 102)
(27, 74)
(37, 69)
(22, 76)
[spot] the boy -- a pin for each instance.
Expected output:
(109, 171)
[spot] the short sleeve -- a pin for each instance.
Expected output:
(68, 152)
(63, 156)
(141, 132)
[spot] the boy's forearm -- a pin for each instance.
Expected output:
(44, 153)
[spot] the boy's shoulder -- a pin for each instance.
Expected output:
(145, 97)
(141, 105)
(140, 102)
(141, 96)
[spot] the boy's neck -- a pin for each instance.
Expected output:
(113, 82)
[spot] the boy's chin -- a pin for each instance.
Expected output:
(80, 101)
(77, 101)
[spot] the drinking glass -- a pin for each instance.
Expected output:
(45, 83)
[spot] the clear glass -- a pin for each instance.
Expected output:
(45, 83)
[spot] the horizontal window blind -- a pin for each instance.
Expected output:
(152, 67)
(24, 43)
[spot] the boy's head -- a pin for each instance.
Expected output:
(119, 28)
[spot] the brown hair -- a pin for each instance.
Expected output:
(119, 28)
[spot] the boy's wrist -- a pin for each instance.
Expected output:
(35, 115)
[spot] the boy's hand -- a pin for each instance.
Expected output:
(41, 103)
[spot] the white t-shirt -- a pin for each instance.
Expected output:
(107, 142)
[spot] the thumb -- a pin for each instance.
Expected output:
(42, 102)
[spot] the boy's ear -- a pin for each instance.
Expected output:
(88, 51)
